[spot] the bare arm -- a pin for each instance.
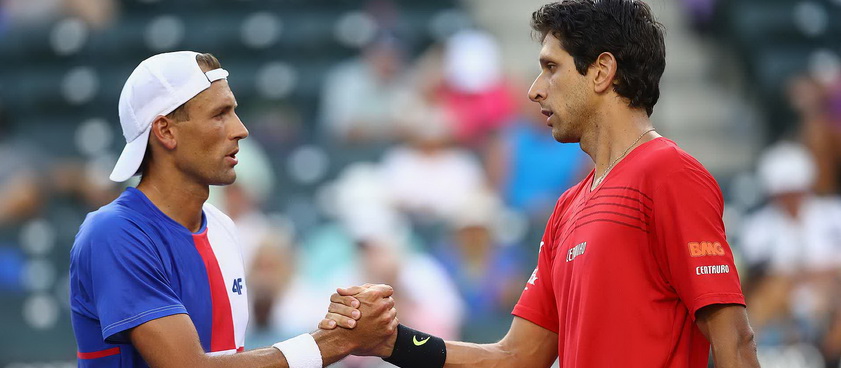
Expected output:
(525, 345)
(726, 327)
(172, 341)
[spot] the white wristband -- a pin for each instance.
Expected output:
(301, 352)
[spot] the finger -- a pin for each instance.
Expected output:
(344, 300)
(341, 320)
(344, 310)
(392, 327)
(327, 324)
(353, 290)
(383, 305)
(382, 289)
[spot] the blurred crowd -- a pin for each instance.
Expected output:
(790, 242)
(445, 174)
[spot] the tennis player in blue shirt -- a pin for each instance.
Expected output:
(157, 277)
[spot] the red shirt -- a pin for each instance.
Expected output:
(623, 269)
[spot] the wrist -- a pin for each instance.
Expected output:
(333, 346)
(301, 352)
(415, 349)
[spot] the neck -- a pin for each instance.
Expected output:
(612, 135)
(179, 198)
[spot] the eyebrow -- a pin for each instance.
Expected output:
(546, 60)
(225, 107)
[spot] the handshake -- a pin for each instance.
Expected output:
(362, 320)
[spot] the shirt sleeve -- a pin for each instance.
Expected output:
(128, 280)
(691, 244)
(537, 302)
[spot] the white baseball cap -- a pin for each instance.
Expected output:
(787, 167)
(156, 87)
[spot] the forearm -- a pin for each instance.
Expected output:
(526, 345)
(332, 348)
(467, 355)
(739, 352)
(498, 355)
(730, 335)
(259, 358)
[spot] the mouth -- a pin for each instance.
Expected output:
(548, 114)
(232, 157)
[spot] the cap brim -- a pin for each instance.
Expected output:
(131, 158)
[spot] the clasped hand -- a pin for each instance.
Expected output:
(367, 315)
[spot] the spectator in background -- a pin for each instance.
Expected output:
(700, 13)
(269, 275)
(489, 275)
(428, 295)
(97, 14)
(21, 170)
(820, 131)
(369, 242)
(473, 89)
(793, 249)
(429, 177)
(530, 168)
(361, 98)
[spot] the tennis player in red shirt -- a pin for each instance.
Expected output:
(634, 268)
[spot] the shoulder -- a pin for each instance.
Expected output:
(216, 215)
(569, 194)
(666, 156)
(110, 219)
(830, 204)
(666, 164)
(112, 228)
(564, 201)
(218, 219)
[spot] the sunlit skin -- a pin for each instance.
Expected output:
(190, 155)
(209, 141)
(561, 92)
(585, 108)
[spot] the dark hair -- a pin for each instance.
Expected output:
(207, 62)
(624, 28)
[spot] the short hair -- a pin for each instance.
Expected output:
(625, 28)
(207, 62)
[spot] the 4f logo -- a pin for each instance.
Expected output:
(237, 288)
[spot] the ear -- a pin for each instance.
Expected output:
(605, 71)
(163, 132)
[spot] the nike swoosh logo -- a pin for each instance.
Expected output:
(419, 343)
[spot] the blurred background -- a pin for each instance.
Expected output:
(394, 138)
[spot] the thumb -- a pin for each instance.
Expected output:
(353, 290)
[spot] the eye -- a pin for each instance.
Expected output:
(552, 67)
(221, 114)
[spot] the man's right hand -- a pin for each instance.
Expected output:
(372, 328)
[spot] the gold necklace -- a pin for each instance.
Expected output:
(609, 167)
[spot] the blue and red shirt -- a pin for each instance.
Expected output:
(131, 264)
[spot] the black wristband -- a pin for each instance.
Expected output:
(415, 349)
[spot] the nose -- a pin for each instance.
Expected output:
(537, 91)
(240, 131)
